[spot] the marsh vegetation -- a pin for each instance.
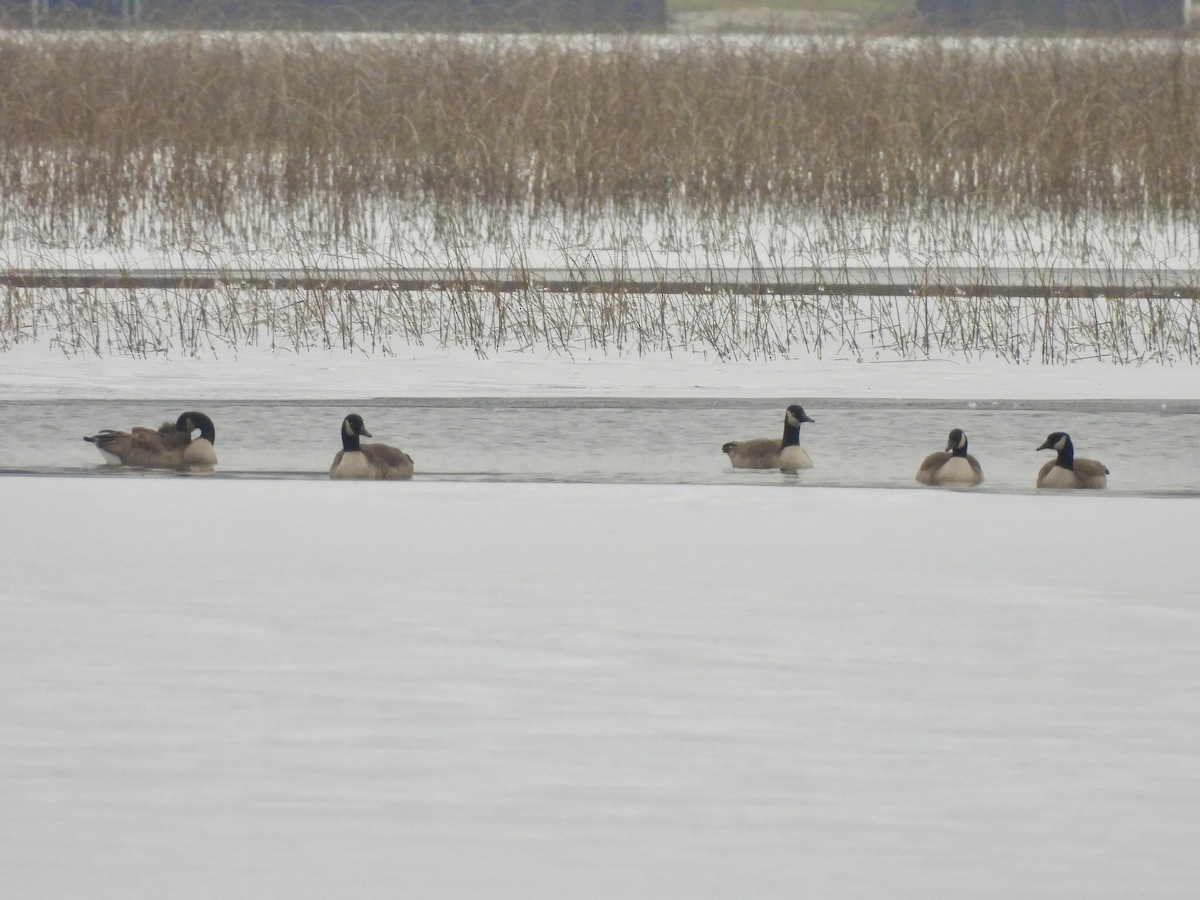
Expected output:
(602, 155)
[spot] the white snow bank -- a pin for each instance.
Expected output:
(34, 372)
(310, 689)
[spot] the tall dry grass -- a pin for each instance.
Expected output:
(722, 324)
(119, 138)
(421, 150)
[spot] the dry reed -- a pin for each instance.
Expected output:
(169, 138)
(812, 153)
(720, 324)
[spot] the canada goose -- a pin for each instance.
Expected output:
(357, 460)
(765, 453)
(1068, 470)
(170, 447)
(954, 465)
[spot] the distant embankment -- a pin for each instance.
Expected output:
(965, 282)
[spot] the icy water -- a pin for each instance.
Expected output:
(1148, 446)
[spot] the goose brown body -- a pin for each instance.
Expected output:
(171, 446)
(766, 453)
(1067, 470)
(953, 466)
(368, 461)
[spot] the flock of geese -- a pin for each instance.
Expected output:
(174, 445)
(952, 467)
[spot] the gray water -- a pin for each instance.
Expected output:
(1149, 446)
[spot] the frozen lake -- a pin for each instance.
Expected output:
(579, 655)
(1148, 445)
(290, 688)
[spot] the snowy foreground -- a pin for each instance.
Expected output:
(307, 689)
(40, 372)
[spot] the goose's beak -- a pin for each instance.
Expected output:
(1044, 445)
(365, 433)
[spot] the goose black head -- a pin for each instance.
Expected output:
(795, 415)
(353, 425)
(1060, 442)
(352, 428)
(191, 421)
(957, 442)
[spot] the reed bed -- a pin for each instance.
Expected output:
(827, 152)
(719, 324)
(169, 138)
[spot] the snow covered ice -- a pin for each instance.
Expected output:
(299, 688)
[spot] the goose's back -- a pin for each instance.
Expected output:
(760, 453)
(389, 461)
(1092, 473)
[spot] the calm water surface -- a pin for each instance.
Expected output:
(1149, 446)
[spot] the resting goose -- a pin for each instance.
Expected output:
(952, 466)
(357, 460)
(1069, 470)
(170, 447)
(765, 453)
